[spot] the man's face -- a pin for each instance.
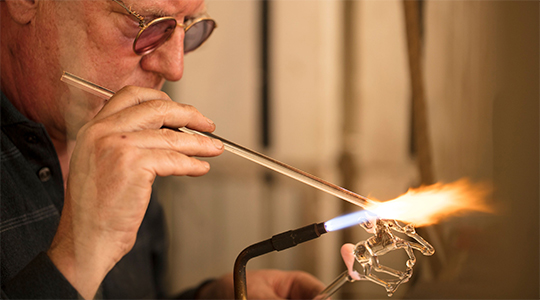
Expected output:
(93, 39)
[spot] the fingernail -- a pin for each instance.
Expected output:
(206, 165)
(210, 122)
(218, 143)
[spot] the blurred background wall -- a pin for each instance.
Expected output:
(339, 107)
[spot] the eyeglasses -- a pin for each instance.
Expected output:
(156, 32)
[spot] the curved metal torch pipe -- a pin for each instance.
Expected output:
(278, 242)
(239, 275)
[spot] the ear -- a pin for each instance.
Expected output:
(22, 11)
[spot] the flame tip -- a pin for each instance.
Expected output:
(430, 204)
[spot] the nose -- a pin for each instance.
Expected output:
(168, 59)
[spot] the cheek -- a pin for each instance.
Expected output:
(95, 49)
(107, 59)
(111, 58)
(107, 50)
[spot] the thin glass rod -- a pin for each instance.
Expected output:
(86, 85)
(241, 151)
(334, 286)
(287, 170)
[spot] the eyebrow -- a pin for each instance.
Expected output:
(153, 12)
(148, 11)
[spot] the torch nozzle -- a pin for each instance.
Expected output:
(292, 238)
(349, 220)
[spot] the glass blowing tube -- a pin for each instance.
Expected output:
(244, 152)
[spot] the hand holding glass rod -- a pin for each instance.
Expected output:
(239, 150)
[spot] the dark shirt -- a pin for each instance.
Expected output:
(32, 194)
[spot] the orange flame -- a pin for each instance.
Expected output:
(428, 205)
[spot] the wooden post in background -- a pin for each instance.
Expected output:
(420, 128)
(420, 124)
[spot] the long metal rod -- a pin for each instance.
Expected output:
(244, 152)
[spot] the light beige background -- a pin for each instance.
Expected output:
(481, 65)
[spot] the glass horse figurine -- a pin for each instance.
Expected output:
(383, 241)
(367, 253)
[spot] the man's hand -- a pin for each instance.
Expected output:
(266, 284)
(116, 158)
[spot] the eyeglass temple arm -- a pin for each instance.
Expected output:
(131, 12)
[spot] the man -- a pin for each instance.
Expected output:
(77, 171)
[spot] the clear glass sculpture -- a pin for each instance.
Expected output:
(367, 254)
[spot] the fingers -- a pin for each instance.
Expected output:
(266, 284)
(275, 284)
(133, 119)
(188, 144)
(154, 114)
(160, 152)
(136, 108)
(130, 96)
(347, 253)
(167, 163)
(302, 286)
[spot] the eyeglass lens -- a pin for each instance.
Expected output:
(197, 34)
(156, 33)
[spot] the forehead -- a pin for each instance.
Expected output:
(166, 7)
